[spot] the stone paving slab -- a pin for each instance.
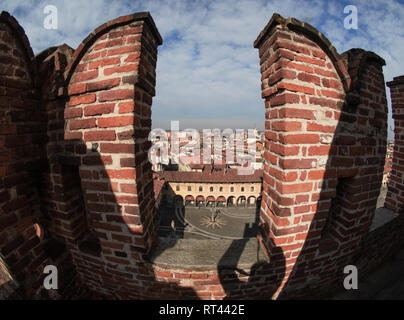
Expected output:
(207, 254)
(381, 217)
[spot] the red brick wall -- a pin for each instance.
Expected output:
(22, 157)
(395, 194)
(108, 119)
(62, 205)
(32, 123)
(325, 148)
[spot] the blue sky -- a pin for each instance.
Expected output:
(208, 71)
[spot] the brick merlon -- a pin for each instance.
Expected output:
(396, 81)
(341, 63)
(106, 27)
(20, 34)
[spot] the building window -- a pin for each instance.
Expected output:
(221, 189)
(211, 189)
(232, 189)
(200, 189)
(189, 188)
(252, 189)
(177, 188)
(242, 189)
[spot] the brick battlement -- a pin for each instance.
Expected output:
(77, 189)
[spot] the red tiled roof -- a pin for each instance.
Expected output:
(157, 185)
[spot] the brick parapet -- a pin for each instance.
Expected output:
(108, 119)
(23, 158)
(324, 149)
(395, 193)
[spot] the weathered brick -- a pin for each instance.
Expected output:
(303, 138)
(83, 99)
(296, 87)
(283, 99)
(85, 76)
(73, 113)
(320, 128)
(104, 62)
(126, 107)
(122, 50)
(307, 77)
(116, 95)
(77, 88)
(121, 69)
(81, 124)
(108, 135)
(297, 163)
(117, 148)
(286, 126)
(319, 150)
(103, 84)
(115, 122)
(294, 188)
(99, 109)
(296, 113)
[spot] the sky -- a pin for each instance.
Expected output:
(208, 70)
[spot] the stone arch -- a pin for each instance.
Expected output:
(241, 201)
(231, 201)
(221, 201)
(189, 200)
(210, 200)
(251, 201)
(200, 201)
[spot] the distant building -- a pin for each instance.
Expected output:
(387, 169)
(213, 187)
(388, 164)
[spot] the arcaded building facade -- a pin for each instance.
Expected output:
(214, 188)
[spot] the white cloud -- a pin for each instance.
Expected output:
(207, 67)
(380, 30)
